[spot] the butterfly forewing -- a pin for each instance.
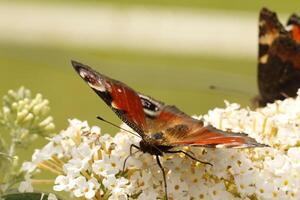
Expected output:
(123, 100)
(160, 125)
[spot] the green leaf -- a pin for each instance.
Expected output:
(26, 196)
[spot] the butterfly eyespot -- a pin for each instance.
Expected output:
(151, 107)
(157, 136)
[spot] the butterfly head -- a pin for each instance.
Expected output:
(92, 77)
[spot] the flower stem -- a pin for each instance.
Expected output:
(38, 181)
(53, 165)
(85, 174)
(57, 161)
(12, 147)
(98, 196)
(48, 168)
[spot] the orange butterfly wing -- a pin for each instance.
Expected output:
(172, 127)
(157, 123)
(294, 26)
(123, 100)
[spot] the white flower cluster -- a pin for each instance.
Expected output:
(261, 173)
(90, 165)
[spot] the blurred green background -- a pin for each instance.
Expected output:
(175, 77)
(180, 80)
(230, 5)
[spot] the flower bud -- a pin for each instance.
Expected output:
(28, 117)
(21, 115)
(46, 121)
(49, 127)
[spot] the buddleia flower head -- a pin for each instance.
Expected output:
(89, 164)
(26, 116)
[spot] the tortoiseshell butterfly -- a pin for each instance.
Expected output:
(279, 58)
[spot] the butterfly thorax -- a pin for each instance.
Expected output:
(153, 149)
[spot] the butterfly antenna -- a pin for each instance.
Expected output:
(219, 88)
(104, 120)
(135, 134)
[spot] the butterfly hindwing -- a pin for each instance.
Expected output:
(169, 126)
(172, 127)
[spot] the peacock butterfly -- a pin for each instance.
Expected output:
(278, 58)
(160, 126)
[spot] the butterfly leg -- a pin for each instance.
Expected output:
(164, 176)
(130, 154)
(190, 156)
(285, 95)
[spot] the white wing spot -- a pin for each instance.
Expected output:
(268, 38)
(98, 87)
(221, 146)
(262, 23)
(264, 59)
(114, 105)
(289, 27)
(82, 73)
